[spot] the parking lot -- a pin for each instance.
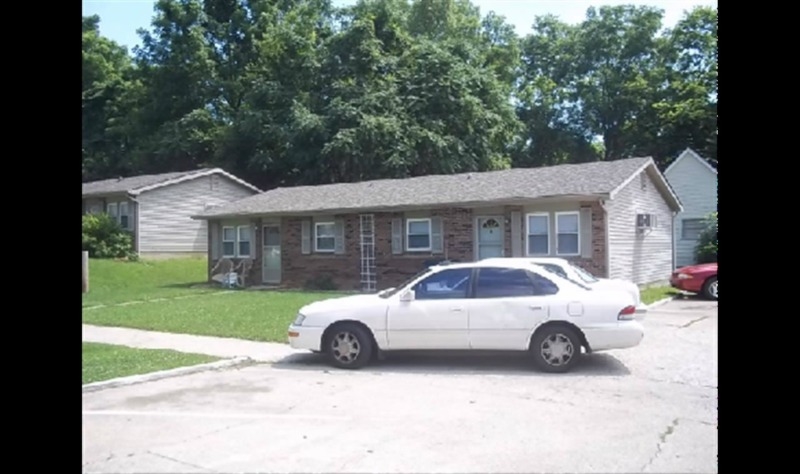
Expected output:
(648, 409)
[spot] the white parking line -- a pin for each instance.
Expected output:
(178, 414)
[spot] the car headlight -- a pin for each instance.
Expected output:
(684, 276)
(298, 321)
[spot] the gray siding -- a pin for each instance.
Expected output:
(696, 187)
(165, 221)
(641, 258)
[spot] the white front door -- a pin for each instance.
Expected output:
(271, 260)
(490, 237)
(437, 318)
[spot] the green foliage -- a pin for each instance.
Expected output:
(106, 361)
(104, 238)
(321, 283)
(288, 92)
(706, 249)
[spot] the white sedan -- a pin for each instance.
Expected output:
(569, 270)
(487, 305)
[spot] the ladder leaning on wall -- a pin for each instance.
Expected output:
(368, 277)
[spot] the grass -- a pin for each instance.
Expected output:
(252, 315)
(655, 293)
(113, 281)
(106, 361)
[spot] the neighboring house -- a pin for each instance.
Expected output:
(612, 218)
(694, 181)
(157, 208)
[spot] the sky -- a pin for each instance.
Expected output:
(119, 19)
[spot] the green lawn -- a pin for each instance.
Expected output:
(253, 315)
(655, 293)
(105, 361)
(186, 304)
(113, 281)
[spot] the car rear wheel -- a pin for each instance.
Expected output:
(555, 349)
(349, 346)
(710, 288)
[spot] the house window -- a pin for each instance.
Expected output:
(124, 215)
(324, 237)
(567, 230)
(538, 234)
(236, 241)
(691, 228)
(243, 233)
(228, 241)
(418, 235)
(112, 210)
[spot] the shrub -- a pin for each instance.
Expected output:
(321, 283)
(706, 250)
(104, 238)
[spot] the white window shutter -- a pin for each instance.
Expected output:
(586, 232)
(437, 235)
(397, 236)
(516, 234)
(305, 237)
(338, 246)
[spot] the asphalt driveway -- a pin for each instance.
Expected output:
(648, 409)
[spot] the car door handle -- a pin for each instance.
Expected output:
(456, 310)
(534, 307)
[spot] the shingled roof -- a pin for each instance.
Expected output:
(598, 179)
(137, 184)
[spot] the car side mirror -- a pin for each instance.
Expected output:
(407, 296)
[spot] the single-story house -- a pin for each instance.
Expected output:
(694, 181)
(612, 218)
(157, 208)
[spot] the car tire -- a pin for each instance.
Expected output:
(555, 349)
(349, 346)
(710, 288)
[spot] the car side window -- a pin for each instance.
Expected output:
(542, 286)
(503, 283)
(446, 284)
(555, 269)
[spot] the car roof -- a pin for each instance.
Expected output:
(529, 260)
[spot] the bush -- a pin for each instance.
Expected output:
(321, 283)
(706, 250)
(104, 238)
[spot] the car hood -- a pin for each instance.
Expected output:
(703, 267)
(343, 303)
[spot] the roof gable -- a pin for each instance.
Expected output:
(596, 179)
(690, 154)
(136, 185)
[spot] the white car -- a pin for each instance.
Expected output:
(569, 270)
(487, 305)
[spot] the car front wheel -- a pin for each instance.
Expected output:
(710, 288)
(349, 346)
(555, 349)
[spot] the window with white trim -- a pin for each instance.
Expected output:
(124, 215)
(568, 233)
(324, 237)
(243, 234)
(112, 210)
(418, 235)
(692, 228)
(229, 242)
(538, 226)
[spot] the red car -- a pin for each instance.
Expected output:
(700, 279)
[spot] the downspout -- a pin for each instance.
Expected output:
(602, 203)
(672, 233)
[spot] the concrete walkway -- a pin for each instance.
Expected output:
(214, 346)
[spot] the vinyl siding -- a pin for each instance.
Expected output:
(640, 258)
(165, 221)
(696, 187)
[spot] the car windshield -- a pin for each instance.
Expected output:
(389, 292)
(585, 276)
(559, 272)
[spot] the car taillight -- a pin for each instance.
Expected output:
(627, 313)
